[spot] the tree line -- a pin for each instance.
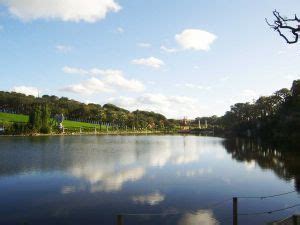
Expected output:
(40, 108)
(275, 116)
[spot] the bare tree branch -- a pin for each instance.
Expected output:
(282, 23)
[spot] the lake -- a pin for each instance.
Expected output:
(90, 179)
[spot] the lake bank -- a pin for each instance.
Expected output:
(83, 175)
(91, 133)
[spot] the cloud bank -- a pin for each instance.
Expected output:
(168, 50)
(63, 48)
(191, 39)
(27, 90)
(144, 45)
(170, 106)
(195, 39)
(65, 10)
(150, 62)
(111, 80)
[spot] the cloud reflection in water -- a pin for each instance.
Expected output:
(200, 217)
(150, 199)
(107, 170)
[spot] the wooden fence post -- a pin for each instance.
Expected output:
(295, 220)
(235, 210)
(120, 220)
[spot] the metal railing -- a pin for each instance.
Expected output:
(293, 220)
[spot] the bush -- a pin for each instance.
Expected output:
(45, 130)
(17, 128)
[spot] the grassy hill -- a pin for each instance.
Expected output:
(9, 118)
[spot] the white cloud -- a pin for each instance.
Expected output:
(281, 52)
(151, 62)
(74, 70)
(170, 106)
(91, 72)
(65, 10)
(150, 199)
(246, 95)
(194, 86)
(27, 90)
(224, 79)
(288, 50)
(144, 45)
(249, 94)
(151, 82)
(63, 48)
(291, 78)
(120, 30)
(88, 87)
(195, 39)
(169, 50)
(121, 82)
(109, 82)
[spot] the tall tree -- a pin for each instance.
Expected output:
(45, 119)
(35, 118)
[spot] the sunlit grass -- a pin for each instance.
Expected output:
(19, 118)
(8, 117)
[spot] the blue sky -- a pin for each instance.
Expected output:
(180, 58)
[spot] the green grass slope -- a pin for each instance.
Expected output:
(8, 117)
(74, 124)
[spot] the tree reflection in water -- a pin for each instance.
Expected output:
(282, 158)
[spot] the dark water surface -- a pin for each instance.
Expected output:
(90, 179)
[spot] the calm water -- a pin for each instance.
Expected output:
(90, 179)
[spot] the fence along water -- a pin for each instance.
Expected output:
(293, 220)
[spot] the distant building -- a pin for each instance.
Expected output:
(199, 122)
(184, 124)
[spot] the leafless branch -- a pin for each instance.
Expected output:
(281, 23)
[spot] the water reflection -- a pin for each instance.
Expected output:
(89, 179)
(104, 165)
(194, 172)
(200, 217)
(282, 159)
(150, 199)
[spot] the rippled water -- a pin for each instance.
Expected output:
(91, 179)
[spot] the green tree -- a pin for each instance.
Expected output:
(35, 118)
(39, 119)
(45, 119)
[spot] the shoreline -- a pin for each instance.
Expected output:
(89, 133)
